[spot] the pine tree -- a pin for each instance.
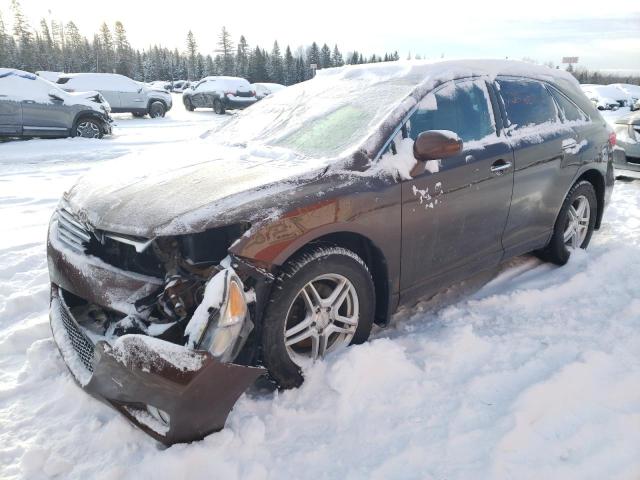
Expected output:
(24, 38)
(289, 67)
(106, 41)
(336, 58)
(242, 58)
(313, 56)
(4, 44)
(192, 52)
(225, 49)
(123, 63)
(325, 57)
(276, 65)
(74, 47)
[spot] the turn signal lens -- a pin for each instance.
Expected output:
(612, 139)
(237, 307)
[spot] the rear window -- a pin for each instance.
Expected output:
(527, 102)
(568, 110)
(62, 80)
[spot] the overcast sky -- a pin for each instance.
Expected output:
(605, 35)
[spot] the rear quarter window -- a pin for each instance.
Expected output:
(568, 110)
(527, 102)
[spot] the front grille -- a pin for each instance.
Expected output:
(71, 232)
(79, 340)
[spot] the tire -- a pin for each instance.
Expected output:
(88, 127)
(558, 250)
(138, 115)
(218, 107)
(329, 270)
(188, 105)
(157, 109)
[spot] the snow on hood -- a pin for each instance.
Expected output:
(167, 192)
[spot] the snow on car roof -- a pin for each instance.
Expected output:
(5, 72)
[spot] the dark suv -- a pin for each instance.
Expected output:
(293, 228)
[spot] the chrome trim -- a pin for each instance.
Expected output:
(140, 244)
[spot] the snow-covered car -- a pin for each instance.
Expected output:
(31, 106)
(288, 231)
(628, 139)
(606, 97)
(220, 93)
(265, 89)
(48, 75)
(180, 86)
(123, 94)
(633, 92)
(162, 85)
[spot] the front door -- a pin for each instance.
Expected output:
(10, 115)
(454, 210)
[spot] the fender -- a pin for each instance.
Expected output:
(89, 113)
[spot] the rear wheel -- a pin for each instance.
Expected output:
(323, 301)
(88, 128)
(218, 107)
(157, 110)
(575, 224)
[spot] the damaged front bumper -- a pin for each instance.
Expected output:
(171, 392)
(174, 393)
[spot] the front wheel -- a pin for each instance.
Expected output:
(188, 105)
(323, 301)
(88, 128)
(575, 223)
(157, 110)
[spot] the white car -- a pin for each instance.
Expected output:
(180, 86)
(606, 97)
(161, 84)
(122, 93)
(265, 89)
(633, 91)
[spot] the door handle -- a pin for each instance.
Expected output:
(569, 143)
(500, 166)
(28, 101)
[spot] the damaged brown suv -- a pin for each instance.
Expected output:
(179, 278)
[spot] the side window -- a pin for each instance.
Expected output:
(527, 102)
(567, 109)
(462, 108)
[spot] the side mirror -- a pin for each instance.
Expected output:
(436, 144)
(140, 90)
(55, 95)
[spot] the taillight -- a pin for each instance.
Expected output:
(612, 139)
(253, 94)
(229, 93)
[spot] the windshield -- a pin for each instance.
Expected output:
(323, 117)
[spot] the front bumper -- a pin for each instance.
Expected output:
(138, 374)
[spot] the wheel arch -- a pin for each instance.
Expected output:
(152, 100)
(370, 253)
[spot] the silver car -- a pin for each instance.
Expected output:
(31, 106)
(628, 139)
(123, 94)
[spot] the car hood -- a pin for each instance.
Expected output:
(187, 188)
(632, 119)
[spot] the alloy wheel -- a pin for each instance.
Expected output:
(577, 227)
(322, 318)
(88, 130)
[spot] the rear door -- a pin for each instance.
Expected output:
(454, 210)
(546, 159)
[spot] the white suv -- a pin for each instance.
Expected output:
(122, 93)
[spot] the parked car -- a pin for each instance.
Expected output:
(606, 97)
(265, 89)
(628, 139)
(220, 93)
(31, 106)
(160, 84)
(123, 94)
(48, 75)
(287, 232)
(180, 86)
(633, 92)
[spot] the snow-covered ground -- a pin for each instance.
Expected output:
(529, 372)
